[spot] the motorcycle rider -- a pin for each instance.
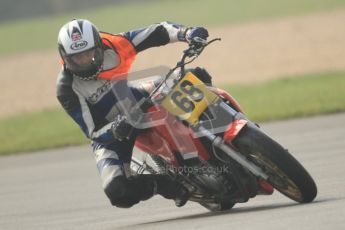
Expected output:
(92, 89)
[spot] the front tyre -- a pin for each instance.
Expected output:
(285, 173)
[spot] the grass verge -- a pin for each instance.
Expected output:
(34, 131)
(292, 97)
(273, 100)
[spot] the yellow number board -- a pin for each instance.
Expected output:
(188, 99)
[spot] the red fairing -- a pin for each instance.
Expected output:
(173, 137)
(233, 129)
(151, 142)
(169, 138)
(227, 97)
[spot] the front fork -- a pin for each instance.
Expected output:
(238, 122)
(236, 156)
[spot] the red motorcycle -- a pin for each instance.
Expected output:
(200, 137)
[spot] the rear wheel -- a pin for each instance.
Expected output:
(285, 173)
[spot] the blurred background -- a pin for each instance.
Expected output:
(262, 41)
(22, 9)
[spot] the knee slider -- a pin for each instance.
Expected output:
(116, 191)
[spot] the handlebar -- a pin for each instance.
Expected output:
(194, 49)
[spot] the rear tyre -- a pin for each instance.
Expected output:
(285, 173)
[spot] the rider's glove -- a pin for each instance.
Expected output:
(196, 35)
(121, 128)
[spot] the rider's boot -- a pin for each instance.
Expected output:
(171, 189)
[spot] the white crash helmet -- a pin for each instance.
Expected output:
(80, 47)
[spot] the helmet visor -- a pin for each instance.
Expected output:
(85, 63)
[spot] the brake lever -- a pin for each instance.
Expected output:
(198, 40)
(194, 49)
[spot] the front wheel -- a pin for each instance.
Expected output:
(285, 173)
